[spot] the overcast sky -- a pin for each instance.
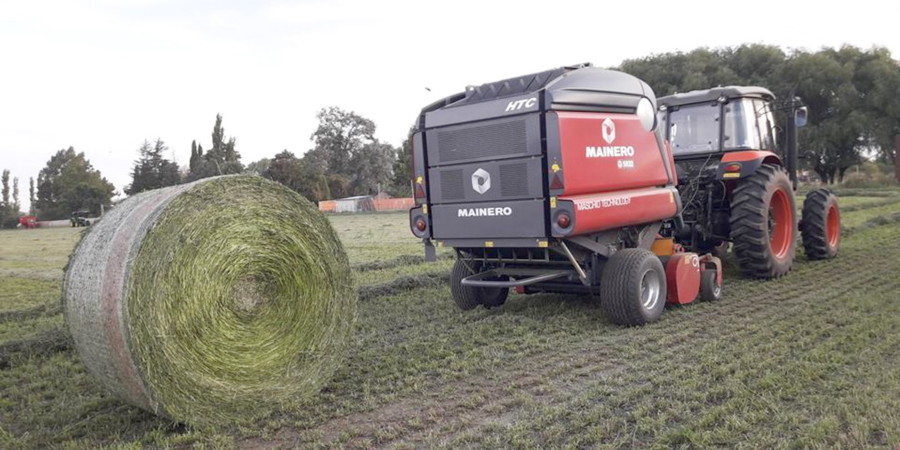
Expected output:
(102, 76)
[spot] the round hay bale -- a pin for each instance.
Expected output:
(211, 302)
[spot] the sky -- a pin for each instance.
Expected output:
(103, 76)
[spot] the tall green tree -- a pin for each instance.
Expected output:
(222, 159)
(4, 179)
(193, 165)
(31, 195)
(402, 169)
(152, 170)
(69, 183)
(9, 212)
(15, 195)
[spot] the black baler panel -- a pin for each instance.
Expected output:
(491, 139)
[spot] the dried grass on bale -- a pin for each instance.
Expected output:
(212, 302)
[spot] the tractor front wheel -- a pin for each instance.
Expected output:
(633, 287)
(763, 223)
(469, 297)
(821, 224)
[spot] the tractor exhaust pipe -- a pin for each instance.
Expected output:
(796, 119)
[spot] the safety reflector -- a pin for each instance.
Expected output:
(556, 183)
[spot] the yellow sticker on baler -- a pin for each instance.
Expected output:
(553, 202)
(489, 243)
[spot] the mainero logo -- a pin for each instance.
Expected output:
(608, 151)
(484, 212)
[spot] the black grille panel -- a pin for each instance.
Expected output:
(509, 179)
(473, 142)
(514, 179)
(452, 184)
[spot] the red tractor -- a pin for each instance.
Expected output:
(556, 182)
(734, 185)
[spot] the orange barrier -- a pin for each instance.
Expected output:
(393, 204)
(378, 204)
(327, 205)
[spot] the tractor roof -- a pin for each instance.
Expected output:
(711, 95)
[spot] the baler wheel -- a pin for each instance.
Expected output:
(763, 223)
(633, 287)
(469, 297)
(821, 224)
(710, 289)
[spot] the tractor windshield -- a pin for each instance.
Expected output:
(695, 128)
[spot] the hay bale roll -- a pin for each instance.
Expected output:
(211, 302)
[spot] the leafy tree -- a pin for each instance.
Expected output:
(258, 167)
(346, 149)
(850, 94)
(402, 170)
(339, 137)
(299, 175)
(69, 183)
(152, 170)
(372, 168)
(338, 186)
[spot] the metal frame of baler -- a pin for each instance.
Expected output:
(528, 271)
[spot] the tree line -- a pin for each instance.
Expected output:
(850, 93)
(345, 160)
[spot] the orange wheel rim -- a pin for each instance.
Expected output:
(780, 224)
(833, 226)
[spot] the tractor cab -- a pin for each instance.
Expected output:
(711, 130)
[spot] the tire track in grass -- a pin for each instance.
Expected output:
(684, 334)
(782, 315)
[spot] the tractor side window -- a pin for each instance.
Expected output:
(766, 122)
(694, 129)
(741, 126)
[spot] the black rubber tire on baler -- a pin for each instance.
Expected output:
(821, 225)
(710, 289)
(760, 249)
(622, 286)
(469, 297)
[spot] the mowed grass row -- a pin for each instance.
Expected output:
(809, 359)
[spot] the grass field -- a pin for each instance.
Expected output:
(809, 360)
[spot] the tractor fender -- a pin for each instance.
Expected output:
(750, 162)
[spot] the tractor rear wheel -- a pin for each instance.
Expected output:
(763, 223)
(821, 224)
(633, 287)
(469, 297)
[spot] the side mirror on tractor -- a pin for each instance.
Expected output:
(800, 117)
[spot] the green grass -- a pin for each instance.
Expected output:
(17, 293)
(809, 360)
